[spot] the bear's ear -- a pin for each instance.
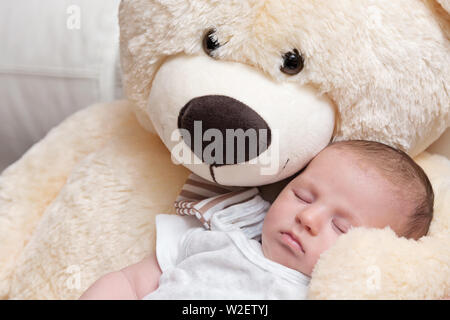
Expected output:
(445, 4)
(443, 15)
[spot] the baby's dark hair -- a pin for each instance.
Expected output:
(404, 174)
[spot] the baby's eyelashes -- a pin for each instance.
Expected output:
(303, 197)
(339, 226)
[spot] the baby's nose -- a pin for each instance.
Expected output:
(310, 219)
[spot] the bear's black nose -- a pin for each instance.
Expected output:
(222, 130)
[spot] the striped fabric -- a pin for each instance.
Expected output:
(202, 198)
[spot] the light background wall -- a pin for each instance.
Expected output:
(49, 68)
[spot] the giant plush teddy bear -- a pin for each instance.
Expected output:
(82, 202)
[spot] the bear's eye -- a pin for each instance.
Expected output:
(293, 62)
(210, 42)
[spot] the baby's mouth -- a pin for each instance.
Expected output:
(292, 241)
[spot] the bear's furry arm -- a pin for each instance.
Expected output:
(396, 268)
(29, 185)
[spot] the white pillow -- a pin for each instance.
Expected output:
(57, 57)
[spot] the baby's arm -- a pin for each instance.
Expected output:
(132, 282)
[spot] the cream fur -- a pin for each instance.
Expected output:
(82, 201)
(399, 65)
(100, 220)
(305, 115)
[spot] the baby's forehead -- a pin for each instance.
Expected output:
(365, 160)
(346, 165)
(343, 150)
(329, 156)
(337, 170)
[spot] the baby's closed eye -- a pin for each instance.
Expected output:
(340, 225)
(304, 197)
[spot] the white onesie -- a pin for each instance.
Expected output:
(225, 262)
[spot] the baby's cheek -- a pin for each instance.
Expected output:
(328, 241)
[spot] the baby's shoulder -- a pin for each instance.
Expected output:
(201, 240)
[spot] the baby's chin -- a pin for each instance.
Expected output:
(300, 268)
(297, 264)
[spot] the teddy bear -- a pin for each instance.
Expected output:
(82, 202)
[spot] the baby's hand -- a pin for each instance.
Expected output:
(132, 282)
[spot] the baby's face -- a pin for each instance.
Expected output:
(335, 193)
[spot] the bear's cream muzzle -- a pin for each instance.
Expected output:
(230, 123)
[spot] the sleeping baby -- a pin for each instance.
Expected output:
(235, 245)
